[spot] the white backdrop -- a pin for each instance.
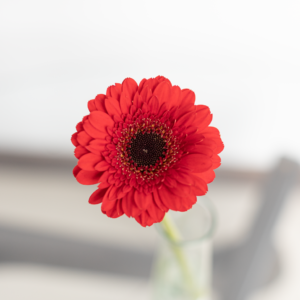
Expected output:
(240, 57)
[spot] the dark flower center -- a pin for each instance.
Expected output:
(146, 148)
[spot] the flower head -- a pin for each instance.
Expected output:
(148, 147)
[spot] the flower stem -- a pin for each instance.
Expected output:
(174, 235)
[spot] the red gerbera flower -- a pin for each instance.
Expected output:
(149, 147)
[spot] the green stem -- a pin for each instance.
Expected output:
(174, 235)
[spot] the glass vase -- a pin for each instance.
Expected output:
(182, 268)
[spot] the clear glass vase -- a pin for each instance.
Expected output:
(182, 269)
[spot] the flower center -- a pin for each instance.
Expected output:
(145, 149)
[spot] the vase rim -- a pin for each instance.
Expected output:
(207, 204)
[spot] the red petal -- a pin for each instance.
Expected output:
(103, 185)
(118, 87)
(76, 170)
(111, 147)
(88, 177)
(115, 193)
(132, 181)
(117, 118)
(136, 101)
(155, 212)
(120, 210)
(212, 133)
(145, 108)
(91, 105)
(79, 126)
(79, 151)
(96, 149)
(98, 142)
(115, 92)
(170, 182)
(129, 206)
(99, 102)
(203, 117)
(88, 161)
(162, 110)
(194, 138)
(188, 96)
(153, 83)
(158, 201)
(182, 177)
(148, 85)
(200, 187)
(132, 109)
(154, 105)
(175, 96)
(185, 120)
(180, 190)
(146, 94)
(174, 202)
(83, 138)
(126, 188)
(104, 177)
(105, 198)
(74, 139)
(98, 195)
(112, 107)
(108, 205)
(92, 131)
(129, 86)
(163, 92)
(102, 166)
(196, 162)
(208, 176)
(114, 213)
(144, 219)
(100, 120)
(211, 144)
(184, 109)
(142, 200)
(216, 161)
(201, 150)
(111, 208)
(125, 103)
(108, 91)
(141, 85)
(191, 130)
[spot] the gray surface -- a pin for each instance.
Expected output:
(241, 270)
(23, 246)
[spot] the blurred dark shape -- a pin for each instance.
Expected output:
(21, 246)
(240, 270)
(30, 161)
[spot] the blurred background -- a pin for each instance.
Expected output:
(240, 58)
